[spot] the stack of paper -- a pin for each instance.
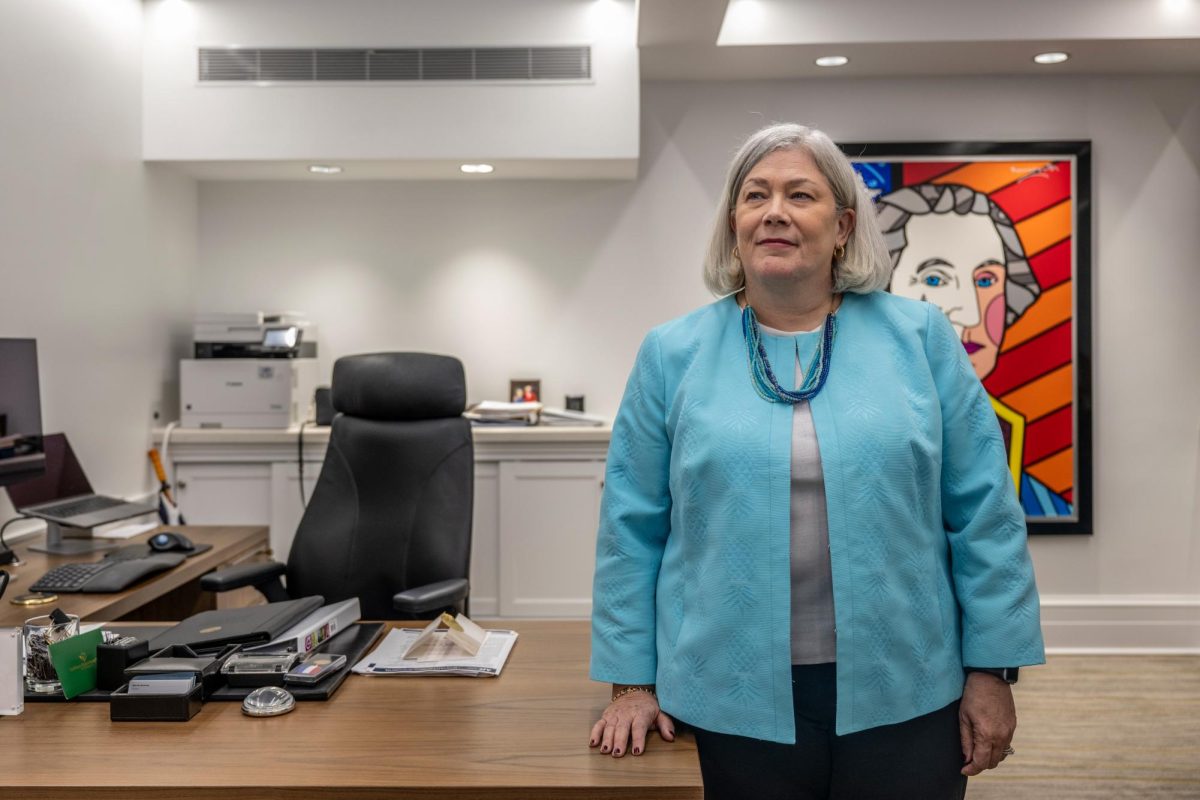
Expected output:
(492, 412)
(562, 416)
(441, 657)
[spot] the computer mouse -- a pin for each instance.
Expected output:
(170, 540)
(268, 701)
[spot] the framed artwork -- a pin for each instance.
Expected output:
(526, 390)
(998, 235)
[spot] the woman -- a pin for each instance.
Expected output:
(801, 569)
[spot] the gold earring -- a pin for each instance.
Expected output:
(736, 255)
(839, 252)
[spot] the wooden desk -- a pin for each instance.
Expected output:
(172, 595)
(522, 735)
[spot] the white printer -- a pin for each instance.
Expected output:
(250, 370)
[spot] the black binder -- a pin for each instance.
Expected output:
(212, 630)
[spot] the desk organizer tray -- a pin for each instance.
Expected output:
(181, 658)
(353, 643)
(125, 707)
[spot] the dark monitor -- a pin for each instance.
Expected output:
(21, 453)
(62, 478)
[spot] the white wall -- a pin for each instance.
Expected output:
(561, 280)
(97, 251)
(186, 121)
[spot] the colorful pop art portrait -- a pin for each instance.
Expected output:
(997, 236)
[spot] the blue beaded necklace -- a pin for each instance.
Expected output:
(763, 377)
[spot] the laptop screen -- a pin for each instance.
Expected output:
(63, 477)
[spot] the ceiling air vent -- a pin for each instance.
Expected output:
(232, 64)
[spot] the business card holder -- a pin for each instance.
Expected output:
(181, 658)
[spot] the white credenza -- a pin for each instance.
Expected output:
(537, 504)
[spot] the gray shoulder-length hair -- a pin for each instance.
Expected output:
(898, 207)
(865, 266)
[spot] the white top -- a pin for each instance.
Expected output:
(814, 640)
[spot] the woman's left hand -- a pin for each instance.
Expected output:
(987, 718)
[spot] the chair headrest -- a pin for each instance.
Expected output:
(399, 386)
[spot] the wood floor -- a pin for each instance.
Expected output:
(1099, 727)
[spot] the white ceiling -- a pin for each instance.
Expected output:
(409, 170)
(765, 39)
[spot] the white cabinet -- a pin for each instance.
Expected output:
(224, 493)
(485, 542)
(548, 516)
(287, 505)
(536, 507)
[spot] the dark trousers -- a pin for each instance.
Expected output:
(919, 759)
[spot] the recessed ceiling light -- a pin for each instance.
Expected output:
(1051, 58)
(832, 61)
(324, 169)
(477, 169)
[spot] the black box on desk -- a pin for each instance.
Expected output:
(112, 660)
(126, 707)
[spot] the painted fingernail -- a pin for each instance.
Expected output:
(604, 749)
(616, 752)
(591, 743)
(637, 751)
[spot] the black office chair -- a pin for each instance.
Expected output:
(389, 521)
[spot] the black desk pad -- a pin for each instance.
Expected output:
(144, 550)
(353, 643)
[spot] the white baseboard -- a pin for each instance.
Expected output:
(484, 606)
(1131, 624)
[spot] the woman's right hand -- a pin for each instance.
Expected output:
(624, 724)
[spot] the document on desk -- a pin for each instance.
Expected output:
(441, 657)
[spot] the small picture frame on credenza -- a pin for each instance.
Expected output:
(526, 390)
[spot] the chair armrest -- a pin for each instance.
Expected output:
(432, 596)
(235, 577)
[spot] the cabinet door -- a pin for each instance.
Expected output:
(549, 511)
(485, 541)
(287, 506)
(224, 494)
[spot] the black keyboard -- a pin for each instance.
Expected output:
(109, 575)
(84, 505)
(69, 577)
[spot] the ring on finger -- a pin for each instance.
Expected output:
(1008, 751)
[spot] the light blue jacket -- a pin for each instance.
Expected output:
(931, 568)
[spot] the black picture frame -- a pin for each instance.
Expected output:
(1078, 153)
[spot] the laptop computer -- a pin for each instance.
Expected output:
(63, 497)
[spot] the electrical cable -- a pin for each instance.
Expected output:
(166, 451)
(300, 462)
(3, 546)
